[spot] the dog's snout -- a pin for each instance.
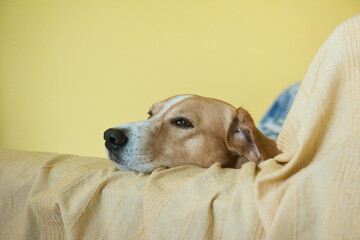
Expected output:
(115, 138)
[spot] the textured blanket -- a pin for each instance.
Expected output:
(310, 191)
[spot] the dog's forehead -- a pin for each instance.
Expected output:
(168, 103)
(165, 105)
(194, 103)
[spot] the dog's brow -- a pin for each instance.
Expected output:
(160, 108)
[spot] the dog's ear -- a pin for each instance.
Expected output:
(246, 142)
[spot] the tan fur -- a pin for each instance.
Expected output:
(212, 138)
(219, 133)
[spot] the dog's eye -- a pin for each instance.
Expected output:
(182, 122)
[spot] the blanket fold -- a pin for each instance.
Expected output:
(315, 196)
(52, 196)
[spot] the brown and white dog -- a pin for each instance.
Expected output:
(188, 130)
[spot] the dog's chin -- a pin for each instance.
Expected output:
(122, 166)
(119, 163)
(115, 158)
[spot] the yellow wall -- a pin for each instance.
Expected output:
(71, 69)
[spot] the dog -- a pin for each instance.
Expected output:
(188, 130)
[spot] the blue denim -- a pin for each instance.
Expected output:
(273, 120)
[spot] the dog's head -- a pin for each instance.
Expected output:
(188, 130)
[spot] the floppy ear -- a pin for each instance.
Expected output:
(247, 142)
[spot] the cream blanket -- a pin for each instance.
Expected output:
(309, 192)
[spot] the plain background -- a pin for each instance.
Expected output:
(71, 69)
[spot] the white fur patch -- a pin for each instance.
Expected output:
(132, 155)
(170, 103)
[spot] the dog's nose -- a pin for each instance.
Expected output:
(115, 138)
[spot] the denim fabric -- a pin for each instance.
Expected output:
(273, 120)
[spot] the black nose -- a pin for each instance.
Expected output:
(115, 138)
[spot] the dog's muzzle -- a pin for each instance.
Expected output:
(115, 139)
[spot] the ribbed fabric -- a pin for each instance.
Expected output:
(310, 191)
(51, 196)
(315, 196)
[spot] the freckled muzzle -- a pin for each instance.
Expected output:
(115, 139)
